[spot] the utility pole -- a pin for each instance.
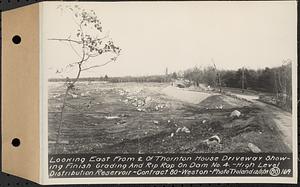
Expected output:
(166, 74)
(243, 79)
(219, 84)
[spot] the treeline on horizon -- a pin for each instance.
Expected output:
(271, 80)
(276, 81)
(150, 78)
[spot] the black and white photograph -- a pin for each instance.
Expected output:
(169, 78)
(154, 92)
(189, 79)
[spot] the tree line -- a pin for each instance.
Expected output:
(150, 78)
(276, 81)
(271, 80)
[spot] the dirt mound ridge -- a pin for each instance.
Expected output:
(188, 96)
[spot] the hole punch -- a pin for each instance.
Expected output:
(16, 142)
(16, 39)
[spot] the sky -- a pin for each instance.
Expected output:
(154, 36)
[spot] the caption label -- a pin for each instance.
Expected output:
(169, 165)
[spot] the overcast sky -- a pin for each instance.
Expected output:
(177, 36)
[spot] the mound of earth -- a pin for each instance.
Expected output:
(222, 102)
(192, 97)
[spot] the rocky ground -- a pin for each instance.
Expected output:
(158, 118)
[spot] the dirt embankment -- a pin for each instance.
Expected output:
(183, 95)
(282, 119)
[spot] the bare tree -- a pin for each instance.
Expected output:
(283, 79)
(88, 41)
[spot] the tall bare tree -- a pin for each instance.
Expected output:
(88, 41)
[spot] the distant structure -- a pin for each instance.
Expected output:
(167, 75)
(105, 77)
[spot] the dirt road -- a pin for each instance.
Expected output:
(283, 119)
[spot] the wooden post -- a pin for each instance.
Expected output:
(243, 79)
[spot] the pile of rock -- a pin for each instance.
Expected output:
(142, 103)
(183, 129)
